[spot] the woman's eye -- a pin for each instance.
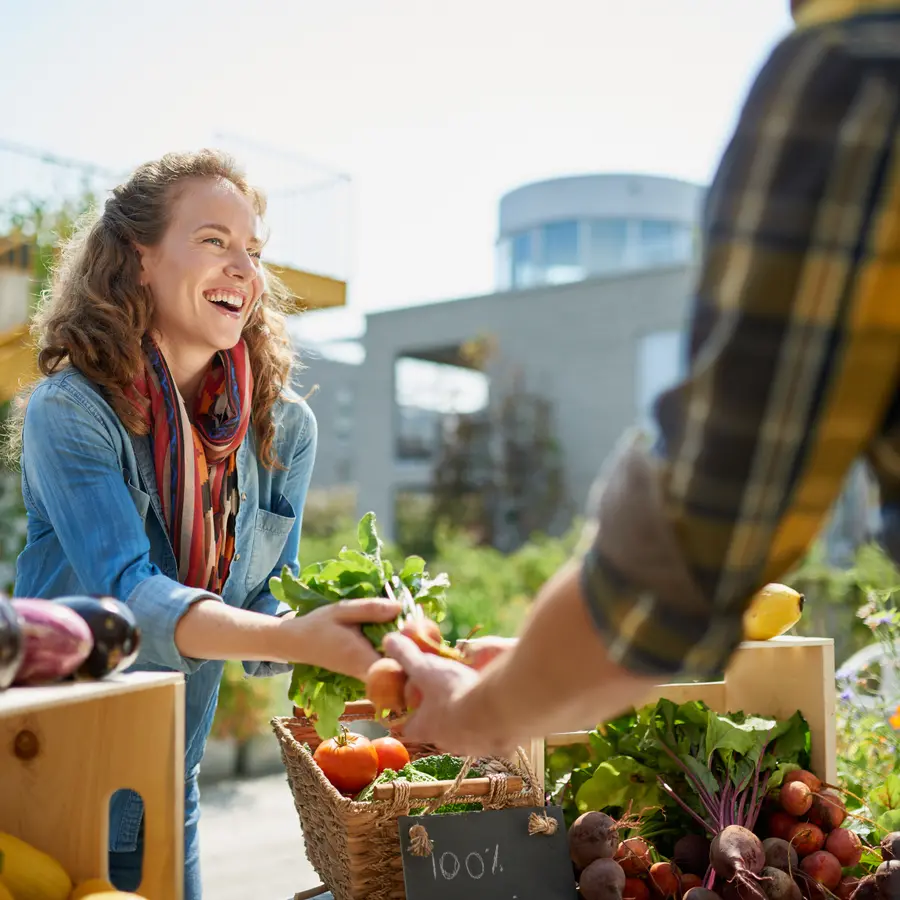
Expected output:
(215, 240)
(256, 254)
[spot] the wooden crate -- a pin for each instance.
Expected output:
(770, 678)
(64, 749)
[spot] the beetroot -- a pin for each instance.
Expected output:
(822, 867)
(736, 855)
(780, 855)
(867, 889)
(635, 889)
(828, 810)
(806, 838)
(780, 825)
(701, 893)
(690, 880)
(807, 778)
(846, 846)
(887, 877)
(603, 879)
(57, 641)
(796, 798)
(592, 836)
(778, 885)
(890, 846)
(633, 855)
(846, 887)
(666, 879)
(691, 854)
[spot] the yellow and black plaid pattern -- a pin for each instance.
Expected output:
(794, 354)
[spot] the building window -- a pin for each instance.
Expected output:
(607, 246)
(523, 256)
(662, 242)
(661, 363)
(560, 256)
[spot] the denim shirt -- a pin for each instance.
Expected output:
(95, 526)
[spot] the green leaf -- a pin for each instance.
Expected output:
(889, 821)
(413, 565)
(277, 589)
(367, 534)
(302, 598)
(886, 796)
(701, 772)
(619, 782)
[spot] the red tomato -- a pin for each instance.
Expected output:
(391, 754)
(348, 761)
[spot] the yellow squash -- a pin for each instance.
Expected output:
(774, 609)
(113, 895)
(92, 886)
(29, 873)
(4, 892)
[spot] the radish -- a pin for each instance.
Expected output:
(806, 838)
(780, 825)
(890, 846)
(633, 855)
(603, 879)
(828, 810)
(778, 885)
(847, 887)
(666, 879)
(807, 778)
(846, 846)
(887, 877)
(691, 854)
(780, 855)
(737, 855)
(796, 798)
(635, 889)
(822, 867)
(593, 836)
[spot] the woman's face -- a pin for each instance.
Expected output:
(205, 275)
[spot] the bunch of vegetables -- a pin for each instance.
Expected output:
(46, 641)
(357, 574)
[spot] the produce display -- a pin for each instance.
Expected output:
(681, 802)
(356, 574)
(47, 641)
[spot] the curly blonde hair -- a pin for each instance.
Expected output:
(96, 311)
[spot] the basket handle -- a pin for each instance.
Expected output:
(428, 790)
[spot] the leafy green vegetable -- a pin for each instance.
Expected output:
(351, 575)
(440, 767)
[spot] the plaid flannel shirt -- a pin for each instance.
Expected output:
(794, 355)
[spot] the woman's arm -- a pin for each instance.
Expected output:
(72, 479)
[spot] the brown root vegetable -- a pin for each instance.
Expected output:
(691, 854)
(846, 846)
(867, 889)
(593, 836)
(701, 893)
(633, 855)
(780, 825)
(603, 879)
(890, 846)
(887, 877)
(635, 889)
(776, 884)
(846, 887)
(807, 778)
(386, 685)
(736, 855)
(806, 838)
(828, 810)
(689, 881)
(796, 798)
(780, 855)
(666, 879)
(822, 867)
(424, 633)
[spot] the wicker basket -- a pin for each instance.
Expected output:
(355, 847)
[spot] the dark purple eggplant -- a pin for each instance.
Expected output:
(117, 637)
(12, 647)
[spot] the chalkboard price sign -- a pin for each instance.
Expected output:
(489, 855)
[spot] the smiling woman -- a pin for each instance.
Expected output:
(165, 460)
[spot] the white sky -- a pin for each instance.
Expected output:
(435, 110)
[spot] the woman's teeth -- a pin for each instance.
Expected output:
(233, 301)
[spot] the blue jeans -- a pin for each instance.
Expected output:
(125, 868)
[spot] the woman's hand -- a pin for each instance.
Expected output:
(330, 637)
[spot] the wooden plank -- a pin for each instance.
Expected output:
(428, 790)
(61, 759)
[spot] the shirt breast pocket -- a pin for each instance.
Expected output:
(141, 500)
(269, 537)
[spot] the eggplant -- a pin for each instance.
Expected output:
(117, 637)
(57, 641)
(12, 644)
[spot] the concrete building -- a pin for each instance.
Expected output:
(594, 276)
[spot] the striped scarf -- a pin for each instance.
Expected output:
(196, 463)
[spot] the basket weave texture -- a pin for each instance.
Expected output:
(355, 847)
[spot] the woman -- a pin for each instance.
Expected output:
(165, 460)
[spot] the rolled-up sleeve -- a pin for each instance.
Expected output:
(73, 481)
(793, 361)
